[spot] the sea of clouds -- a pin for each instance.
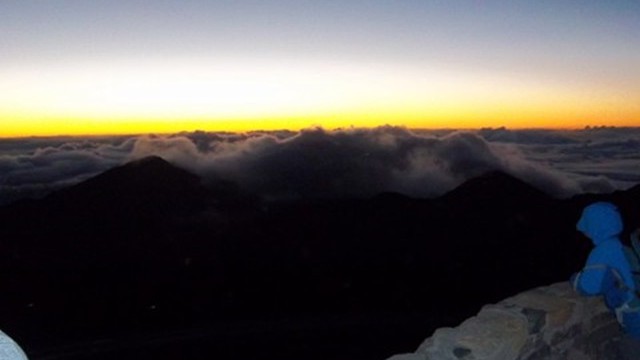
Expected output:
(348, 162)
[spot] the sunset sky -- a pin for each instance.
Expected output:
(111, 67)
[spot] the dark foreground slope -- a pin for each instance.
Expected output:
(144, 262)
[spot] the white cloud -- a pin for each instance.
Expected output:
(351, 162)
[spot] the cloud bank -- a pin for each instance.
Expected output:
(34, 167)
(349, 162)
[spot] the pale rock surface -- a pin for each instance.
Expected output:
(9, 350)
(552, 322)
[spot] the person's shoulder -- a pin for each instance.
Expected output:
(606, 249)
(613, 243)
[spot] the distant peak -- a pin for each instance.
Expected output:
(498, 175)
(154, 167)
(143, 187)
(495, 184)
(149, 160)
(495, 177)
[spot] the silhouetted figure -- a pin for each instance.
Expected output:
(608, 271)
(9, 350)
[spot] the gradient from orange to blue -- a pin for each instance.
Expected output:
(105, 67)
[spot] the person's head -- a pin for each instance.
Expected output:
(600, 221)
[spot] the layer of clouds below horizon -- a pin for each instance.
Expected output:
(350, 162)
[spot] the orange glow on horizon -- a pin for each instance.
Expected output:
(168, 98)
(472, 120)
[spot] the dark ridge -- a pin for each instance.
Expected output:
(497, 195)
(496, 187)
(150, 186)
(634, 191)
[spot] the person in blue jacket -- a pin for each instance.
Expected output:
(608, 271)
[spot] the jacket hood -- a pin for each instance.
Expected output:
(600, 221)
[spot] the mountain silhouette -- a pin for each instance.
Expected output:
(496, 187)
(147, 187)
(146, 247)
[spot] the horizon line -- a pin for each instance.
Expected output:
(340, 128)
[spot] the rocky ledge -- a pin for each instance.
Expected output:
(551, 322)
